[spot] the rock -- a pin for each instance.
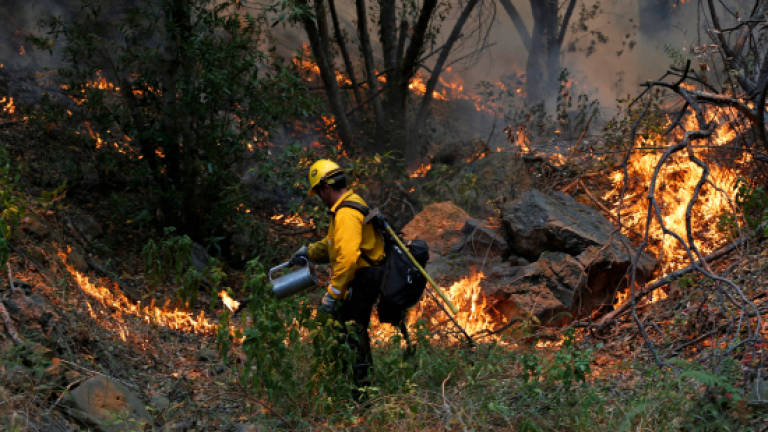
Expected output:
(76, 259)
(579, 257)
(107, 404)
(32, 311)
(550, 285)
(160, 402)
(439, 225)
(480, 239)
(207, 355)
(85, 225)
(606, 267)
(35, 226)
(537, 222)
(199, 257)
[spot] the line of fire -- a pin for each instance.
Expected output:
(211, 211)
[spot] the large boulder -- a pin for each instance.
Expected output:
(556, 222)
(107, 404)
(456, 241)
(554, 283)
(439, 225)
(579, 257)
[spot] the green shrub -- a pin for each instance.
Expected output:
(172, 95)
(11, 205)
(170, 261)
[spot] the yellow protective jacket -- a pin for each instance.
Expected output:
(347, 238)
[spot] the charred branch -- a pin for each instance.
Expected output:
(341, 42)
(440, 64)
(370, 68)
(318, 35)
(518, 22)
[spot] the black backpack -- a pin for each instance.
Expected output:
(402, 284)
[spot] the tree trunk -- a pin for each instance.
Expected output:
(370, 68)
(654, 15)
(319, 41)
(518, 22)
(341, 42)
(413, 150)
(543, 65)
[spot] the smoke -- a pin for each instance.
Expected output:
(25, 68)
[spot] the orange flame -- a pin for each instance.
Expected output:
(674, 189)
(228, 301)
(118, 306)
(421, 171)
(466, 294)
(294, 220)
(7, 104)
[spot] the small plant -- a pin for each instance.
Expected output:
(170, 261)
(753, 201)
(272, 336)
(570, 364)
(11, 206)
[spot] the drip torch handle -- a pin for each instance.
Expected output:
(278, 268)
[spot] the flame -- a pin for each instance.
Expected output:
(466, 294)
(228, 301)
(308, 67)
(117, 307)
(294, 220)
(22, 50)
(7, 104)
(674, 189)
(421, 171)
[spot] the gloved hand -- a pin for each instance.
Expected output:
(300, 255)
(329, 304)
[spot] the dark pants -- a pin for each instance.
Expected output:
(357, 307)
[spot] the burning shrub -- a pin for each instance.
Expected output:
(170, 97)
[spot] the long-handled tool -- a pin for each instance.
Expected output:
(375, 215)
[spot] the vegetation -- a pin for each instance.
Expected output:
(180, 130)
(11, 205)
(176, 95)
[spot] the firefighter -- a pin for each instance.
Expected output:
(353, 249)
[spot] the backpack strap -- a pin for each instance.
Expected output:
(362, 209)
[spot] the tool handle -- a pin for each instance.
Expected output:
(278, 268)
(421, 269)
(284, 265)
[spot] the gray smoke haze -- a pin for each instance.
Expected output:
(604, 74)
(25, 69)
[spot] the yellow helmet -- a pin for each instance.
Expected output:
(321, 170)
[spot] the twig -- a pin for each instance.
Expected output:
(69, 386)
(82, 369)
(9, 325)
(602, 206)
(608, 318)
(267, 407)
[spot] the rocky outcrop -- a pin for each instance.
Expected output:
(551, 257)
(580, 257)
(539, 222)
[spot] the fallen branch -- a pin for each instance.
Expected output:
(611, 316)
